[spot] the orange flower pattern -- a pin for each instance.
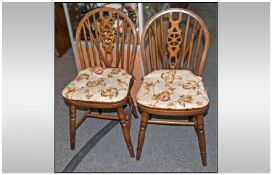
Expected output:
(109, 92)
(99, 84)
(172, 89)
(163, 96)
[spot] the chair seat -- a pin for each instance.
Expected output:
(96, 84)
(172, 89)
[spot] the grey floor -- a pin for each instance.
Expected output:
(166, 148)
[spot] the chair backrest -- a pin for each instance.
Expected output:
(175, 39)
(106, 37)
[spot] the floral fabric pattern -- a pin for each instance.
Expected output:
(172, 89)
(98, 84)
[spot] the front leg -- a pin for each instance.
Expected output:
(144, 122)
(201, 139)
(125, 129)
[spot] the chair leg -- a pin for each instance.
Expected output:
(134, 112)
(125, 129)
(129, 120)
(72, 113)
(201, 139)
(144, 123)
(194, 119)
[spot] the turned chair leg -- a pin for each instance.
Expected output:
(130, 113)
(72, 113)
(201, 138)
(144, 122)
(131, 104)
(125, 129)
(129, 121)
(194, 119)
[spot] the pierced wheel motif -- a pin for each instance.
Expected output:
(174, 39)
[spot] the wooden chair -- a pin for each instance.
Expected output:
(106, 42)
(174, 46)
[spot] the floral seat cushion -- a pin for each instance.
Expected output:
(172, 89)
(96, 84)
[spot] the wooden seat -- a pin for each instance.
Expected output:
(174, 46)
(106, 43)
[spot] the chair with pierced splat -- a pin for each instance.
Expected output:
(106, 43)
(173, 66)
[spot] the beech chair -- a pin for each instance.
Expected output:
(106, 43)
(174, 46)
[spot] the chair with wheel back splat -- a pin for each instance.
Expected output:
(174, 46)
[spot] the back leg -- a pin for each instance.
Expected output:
(131, 103)
(193, 118)
(72, 113)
